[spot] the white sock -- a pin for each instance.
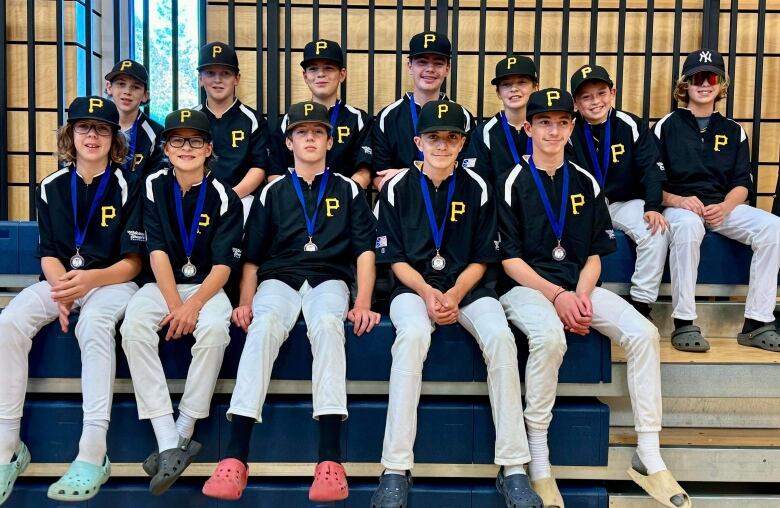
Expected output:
(540, 455)
(165, 432)
(185, 425)
(648, 448)
(9, 438)
(92, 445)
(399, 472)
(510, 470)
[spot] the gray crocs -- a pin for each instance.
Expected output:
(171, 464)
(689, 338)
(517, 491)
(151, 463)
(392, 492)
(765, 337)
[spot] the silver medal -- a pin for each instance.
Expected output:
(189, 270)
(310, 246)
(438, 262)
(559, 253)
(76, 261)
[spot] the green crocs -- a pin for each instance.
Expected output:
(10, 472)
(81, 481)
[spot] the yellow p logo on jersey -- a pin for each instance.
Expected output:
(341, 133)
(618, 149)
(331, 205)
(237, 136)
(428, 38)
(443, 108)
(585, 71)
(185, 114)
(720, 140)
(216, 50)
(552, 95)
(577, 200)
(95, 103)
(318, 46)
(137, 160)
(205, 220)
(125, 65)
(106, 213)
(510, 62)
(308, 108)
(458, 208)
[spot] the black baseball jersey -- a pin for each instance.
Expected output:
(470, 232)
(114, 231)
(350, 151)
(392, 136)
(240, 142)
(526, 232)
(635, 169)
(488, 152)
(706, 164)
(218, 241)
(148, 154)
(276, 231)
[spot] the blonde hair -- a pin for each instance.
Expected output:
(66, 148)
(681, 89)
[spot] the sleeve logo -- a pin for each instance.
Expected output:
(381, 242)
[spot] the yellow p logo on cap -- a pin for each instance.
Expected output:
(185, 114)
(307, 108)
(585, 71)
(443, 108)
(216, 50)
(552, 95)
(95, 103)
(125, 65)
(428, 38)
(319, 45)
(510, 62)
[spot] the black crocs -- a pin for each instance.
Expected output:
(392, 492)
(171, 464)
(517, 491)
(689, 338)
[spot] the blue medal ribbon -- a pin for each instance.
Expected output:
(413, 109)
(334, 117)
(79, 233)
(529, 146)
(188, 240)
(130, 163)
(557, 225)
(310, 221)
(601, 170)
(438, 232)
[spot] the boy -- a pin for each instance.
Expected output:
(439, 266)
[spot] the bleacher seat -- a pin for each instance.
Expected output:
(9, 247)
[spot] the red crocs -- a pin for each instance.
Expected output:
(228, 480)
(330, 483)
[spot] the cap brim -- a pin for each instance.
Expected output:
(607, 81)
(201, 67)
(306, 63)
(165, 132)
(112, 75)
(72, 119)
(701, 68)
(551, 110)
(449, 128)
(293, 125)
(497, 79)
(437, 53)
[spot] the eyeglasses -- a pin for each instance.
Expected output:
(101, 129)
(178, 142)
(700, 78)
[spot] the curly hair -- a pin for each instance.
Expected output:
(66, 148)
(681, 89)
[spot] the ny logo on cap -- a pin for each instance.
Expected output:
(443, 108)
(95, 103)
(319, 45)
(185, 114)
(308, 108)
(552, 95)
(428, 38)
(126, 64)
(705, 56)
(216, 50)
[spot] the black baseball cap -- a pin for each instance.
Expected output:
(323, 49)
(93, 107)
(589, 72)
(515, 65)
(307, 112)
(217, 53)
(430, 43)
(549, 99)
(186, 119)
(130, 68)
(704, 60)
(442, 116)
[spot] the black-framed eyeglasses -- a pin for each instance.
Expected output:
(194, 142)
(101, 129)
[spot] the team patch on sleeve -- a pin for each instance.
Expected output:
(661, 166)
(236, 253)
(136, 236)
(470, 163)
(367, 150)
(381, 242)
(610, 233)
